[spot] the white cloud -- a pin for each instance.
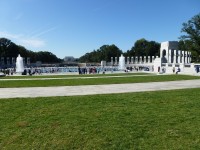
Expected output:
(44, 32)
(33, 43)
(9, 35)
(23, 40)
(29, 41)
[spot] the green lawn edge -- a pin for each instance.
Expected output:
(93, 81)
(71, 75)
(144, 120)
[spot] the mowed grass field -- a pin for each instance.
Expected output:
(144, 120)
(147, 120)
(27, 81)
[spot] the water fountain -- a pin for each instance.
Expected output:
(122, 62)
(19, 64)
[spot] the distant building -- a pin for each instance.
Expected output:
(69, 59)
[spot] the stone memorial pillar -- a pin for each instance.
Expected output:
(115, 60)
(136, 59)
(170, 56)
(179, 56)
(174, 57)
(149, 59)
(128, 61)
(186, 57)
(152, 59)
(140, 59)
(131, 60)
(111, 61)
(145, 59)
(190, 57)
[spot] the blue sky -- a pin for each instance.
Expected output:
(74, 27)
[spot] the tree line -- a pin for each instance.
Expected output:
(10, 49)
(142, 47)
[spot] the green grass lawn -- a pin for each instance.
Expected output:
(93, 81)
(147, 120)
(74, 75)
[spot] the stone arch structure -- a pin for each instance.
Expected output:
(164, 51)
(169, 53)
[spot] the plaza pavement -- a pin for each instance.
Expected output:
(96, 89)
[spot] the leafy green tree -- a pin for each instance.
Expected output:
(191, 41)
(5, 43)
(46, 57)
(142, 47)
(153, 49)
(8, 48)
(130, 53)
(105, 52)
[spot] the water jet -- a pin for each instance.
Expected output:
(122, 62)
(19, 64)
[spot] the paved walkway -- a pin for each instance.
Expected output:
(96, 89)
